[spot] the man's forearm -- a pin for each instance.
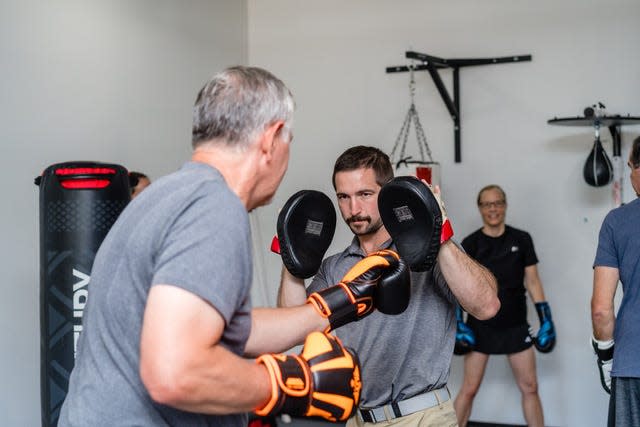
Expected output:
(274, 330)
(603, 322)
(605, 282)
(473, 285)
(533, 284)
(292, 291)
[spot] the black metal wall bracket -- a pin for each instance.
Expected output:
(432, 64)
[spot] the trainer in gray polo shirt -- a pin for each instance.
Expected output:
(405, 358)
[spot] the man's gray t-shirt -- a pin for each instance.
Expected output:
(189, 230)
(619, 247)
(402, 355)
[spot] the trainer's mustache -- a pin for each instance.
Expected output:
(358, 218)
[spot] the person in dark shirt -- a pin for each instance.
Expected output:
(509, 254)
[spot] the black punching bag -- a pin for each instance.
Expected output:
(79, 202)
(598, 170)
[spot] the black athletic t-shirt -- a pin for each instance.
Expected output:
(506, 256)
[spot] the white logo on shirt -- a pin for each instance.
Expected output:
(514, 249)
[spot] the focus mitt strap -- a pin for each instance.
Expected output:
(380, 280)
(306, 225)
(604, 351)
(413, 217)
(323, 381)
(545, 339)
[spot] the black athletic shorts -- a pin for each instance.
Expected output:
(506, 340)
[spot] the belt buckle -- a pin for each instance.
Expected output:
(367, 415)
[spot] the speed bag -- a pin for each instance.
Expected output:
(79, 202)
(598, 170)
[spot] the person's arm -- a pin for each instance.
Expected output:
(291, 292)
(182, 363)
(533, 283)
(605, 283)
(472, 284)
(380, 281)
(278, 329)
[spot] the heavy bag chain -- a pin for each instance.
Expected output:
(403, 136)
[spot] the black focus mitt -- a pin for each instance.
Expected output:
(412, 215)
(306, 225)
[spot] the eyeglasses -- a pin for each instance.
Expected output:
(496, 204)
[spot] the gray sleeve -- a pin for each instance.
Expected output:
(208, 254)
(320, 280)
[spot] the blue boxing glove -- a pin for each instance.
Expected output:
(545, 339)
(465, 338)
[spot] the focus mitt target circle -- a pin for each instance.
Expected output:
(412, 216)
(306, 225)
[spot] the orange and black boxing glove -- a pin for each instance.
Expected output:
(379, 281)
(322, 381)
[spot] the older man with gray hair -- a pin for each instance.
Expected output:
(169, 319)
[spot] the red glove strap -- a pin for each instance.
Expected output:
(447, 231)
(275, 245)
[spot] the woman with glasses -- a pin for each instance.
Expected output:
(511, 257)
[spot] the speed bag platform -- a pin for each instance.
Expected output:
(79, 202)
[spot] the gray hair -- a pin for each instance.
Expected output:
(239, 103)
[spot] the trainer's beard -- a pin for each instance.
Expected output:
(372, 228)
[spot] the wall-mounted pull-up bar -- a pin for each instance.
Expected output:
(432, 64)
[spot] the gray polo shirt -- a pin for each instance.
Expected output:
(403, 355)
(189, 230)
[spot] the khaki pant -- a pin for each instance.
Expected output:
(442, 415)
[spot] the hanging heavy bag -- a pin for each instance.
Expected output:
(79, 202)
(598, 170)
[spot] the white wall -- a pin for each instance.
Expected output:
(105, 80)
(333, 56)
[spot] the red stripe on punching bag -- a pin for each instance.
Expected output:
(85, 183)
(85, 171)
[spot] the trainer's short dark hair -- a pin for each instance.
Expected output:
(364, 157)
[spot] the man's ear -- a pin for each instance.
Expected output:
(269, 136)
